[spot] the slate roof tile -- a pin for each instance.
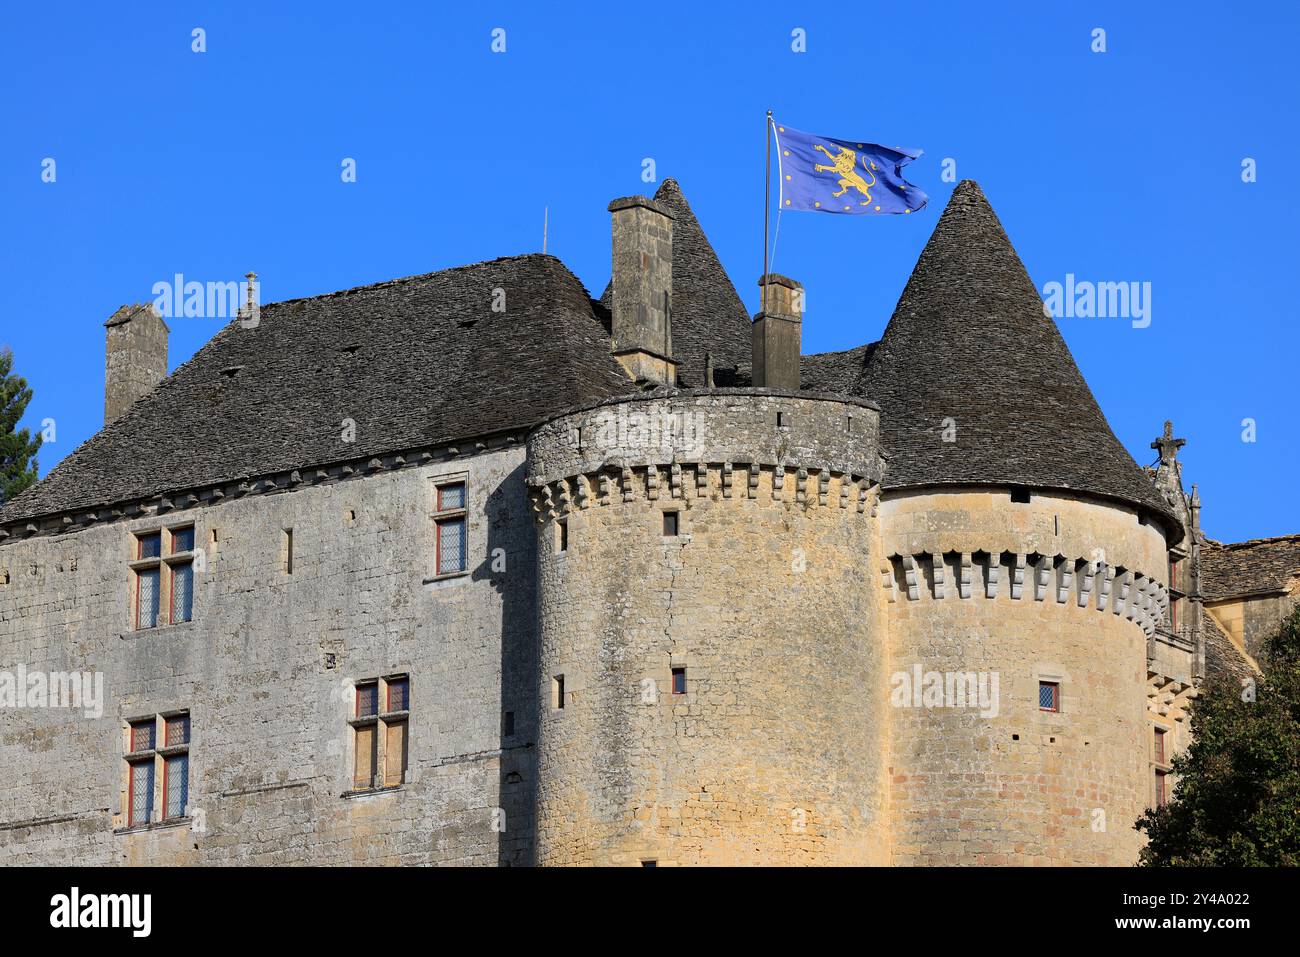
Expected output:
(413, 362)
(1258, 566)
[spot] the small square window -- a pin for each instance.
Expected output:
(178, 730)
(451, 496)
(367, 700)
(1049, 696)
(508, 724)
(142, 735)
(679, 681)
(1019, 495)
(670, 524)
(149, 546)
(650, 863)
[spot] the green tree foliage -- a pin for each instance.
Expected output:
(1237, 800)
(17, 446)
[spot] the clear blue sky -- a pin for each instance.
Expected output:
(1123, 165)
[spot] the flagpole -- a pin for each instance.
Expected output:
(767, 205)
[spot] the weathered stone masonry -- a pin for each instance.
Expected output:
(685, 608)
(266, 669)
(773, 752)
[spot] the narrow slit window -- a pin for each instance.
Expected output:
(562, 535)
(557, 692)
(679, 681)
(288, 551)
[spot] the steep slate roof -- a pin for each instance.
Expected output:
(1259, 566)
(1224, 661)
(970, 340)
(837, 371)
(414, 362)
(707, 313)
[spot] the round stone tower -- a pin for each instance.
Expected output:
(1024, 559)
(707, 631)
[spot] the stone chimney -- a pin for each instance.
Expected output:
(776, 334)
(641, 300)
(135, 357)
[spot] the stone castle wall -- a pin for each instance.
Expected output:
(966, 591)
(773, 753)
(270, 749)
(791, 594)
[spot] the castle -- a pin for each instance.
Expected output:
(470, 568)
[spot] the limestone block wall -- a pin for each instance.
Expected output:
(266, 669)
(1060, 590)
(774, 751)
(1252, 619)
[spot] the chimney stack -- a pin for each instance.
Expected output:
(777, 332)
(642, 283)
(135, 357)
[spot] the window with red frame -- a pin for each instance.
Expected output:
(380, 732)
(451, 529)
(163, 573)
(1049, 696)
(146, 757)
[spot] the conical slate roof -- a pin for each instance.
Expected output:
(970, 342)
(708, 315)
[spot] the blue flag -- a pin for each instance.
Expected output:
(844, 176)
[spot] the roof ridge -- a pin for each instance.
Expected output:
(1251, 542)
(403, 280)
